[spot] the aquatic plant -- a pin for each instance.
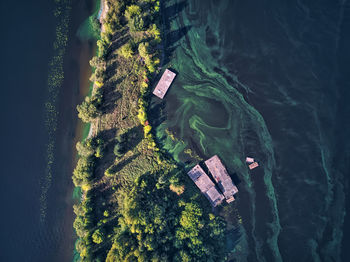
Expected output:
(55, 78)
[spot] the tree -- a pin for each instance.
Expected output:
(136, 24)
(102, 47)
(98, 236)
(126, 50)
(132, 11)
(143, 49)
(99, 151)
(84, 150)
(95, 26)
(87, 110)
(83, 171)
(134, 18)
(147, 129)
(155, 32)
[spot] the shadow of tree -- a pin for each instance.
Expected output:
(108, 134)
(123, 163)
(156, 112)
(170, 13)
(171, 40)
(110, 99)
(116, 44)
(132, 138)
(103, 163)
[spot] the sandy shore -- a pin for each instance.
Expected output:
(105, 8)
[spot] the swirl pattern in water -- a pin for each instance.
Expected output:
(266, 79)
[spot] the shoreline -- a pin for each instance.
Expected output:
(101, 16)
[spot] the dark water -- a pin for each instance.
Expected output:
(37, 144)
(268, 79)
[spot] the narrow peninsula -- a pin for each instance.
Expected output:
(137, 204)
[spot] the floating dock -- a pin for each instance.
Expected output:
(207, 187)
(219, 173)
(164, 83)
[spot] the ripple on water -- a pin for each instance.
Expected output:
(261, 82)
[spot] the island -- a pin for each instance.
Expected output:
(137, 203)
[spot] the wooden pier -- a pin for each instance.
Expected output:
(219, 173)
(207, 187)
(164, 83)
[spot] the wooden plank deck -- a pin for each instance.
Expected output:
(219, 173)
(164, 83)
(207, 187)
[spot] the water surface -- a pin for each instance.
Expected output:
(37, 216)
(270, 80)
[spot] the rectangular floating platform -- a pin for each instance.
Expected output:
(219, 172)
(253, 165)
(207, 187)
(164, 83)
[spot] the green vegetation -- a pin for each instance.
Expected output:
(137, 204)
(156, 226)
(88, 110)
(126, 50)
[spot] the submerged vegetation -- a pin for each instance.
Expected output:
(137, 204)
(55, 79)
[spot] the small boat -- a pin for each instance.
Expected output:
(253, 165)
(249, 160)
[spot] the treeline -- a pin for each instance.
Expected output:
(155, 225)
(155, 216)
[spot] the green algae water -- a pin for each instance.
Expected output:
(270, 80)
(43, 69)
